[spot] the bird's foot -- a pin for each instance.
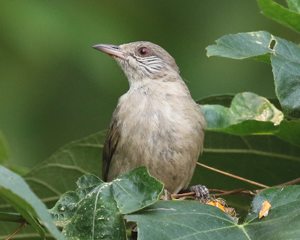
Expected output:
(201, 193)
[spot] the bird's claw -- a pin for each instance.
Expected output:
(201, 192)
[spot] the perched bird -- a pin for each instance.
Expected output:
(156, 123)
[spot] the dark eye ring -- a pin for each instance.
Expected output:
(143, 51)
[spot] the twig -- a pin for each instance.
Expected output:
(240, 191)
(289, 183)
(234, 176)
(220, 193)
(15, 232)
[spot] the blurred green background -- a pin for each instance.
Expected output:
(54, 88)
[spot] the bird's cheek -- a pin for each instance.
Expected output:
(132, 62)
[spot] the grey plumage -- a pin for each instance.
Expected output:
(156, 123)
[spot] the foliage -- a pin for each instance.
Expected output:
(247, 134)
(191, 220)
(95, 209)
(15, 191)
(285, 61)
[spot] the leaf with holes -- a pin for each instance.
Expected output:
(95, 209)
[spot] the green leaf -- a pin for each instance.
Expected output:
(194, 220)
(60, 172)
(17, 193)
(226, 99)
(95, 209)
(285, 61)
(255, 157)
(244, 106)
(286, 69)
(170, 220)
(289, 131)
(283, 219)
(289, 18)
(265, 159)
(242, 45)
(249, 114)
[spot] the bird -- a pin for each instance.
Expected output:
(156, 123)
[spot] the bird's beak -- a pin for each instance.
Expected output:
(112, 50)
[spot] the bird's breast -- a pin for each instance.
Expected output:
(160, 131)
(159, 122)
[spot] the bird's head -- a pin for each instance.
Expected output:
(141, 60)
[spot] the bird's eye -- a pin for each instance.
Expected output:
(143, 51)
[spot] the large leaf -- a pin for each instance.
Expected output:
(57, 175)
(285, 61)
(288, 17)
(284, 216)
(265, 159)
(60, 172)
(194, 220)
(170, 220)
(95, 209)
(15, 191)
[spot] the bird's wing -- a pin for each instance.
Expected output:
(111, 142)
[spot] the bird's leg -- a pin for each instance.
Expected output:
(167, 195)
(201, 192)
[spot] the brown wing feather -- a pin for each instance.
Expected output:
(111, 142)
